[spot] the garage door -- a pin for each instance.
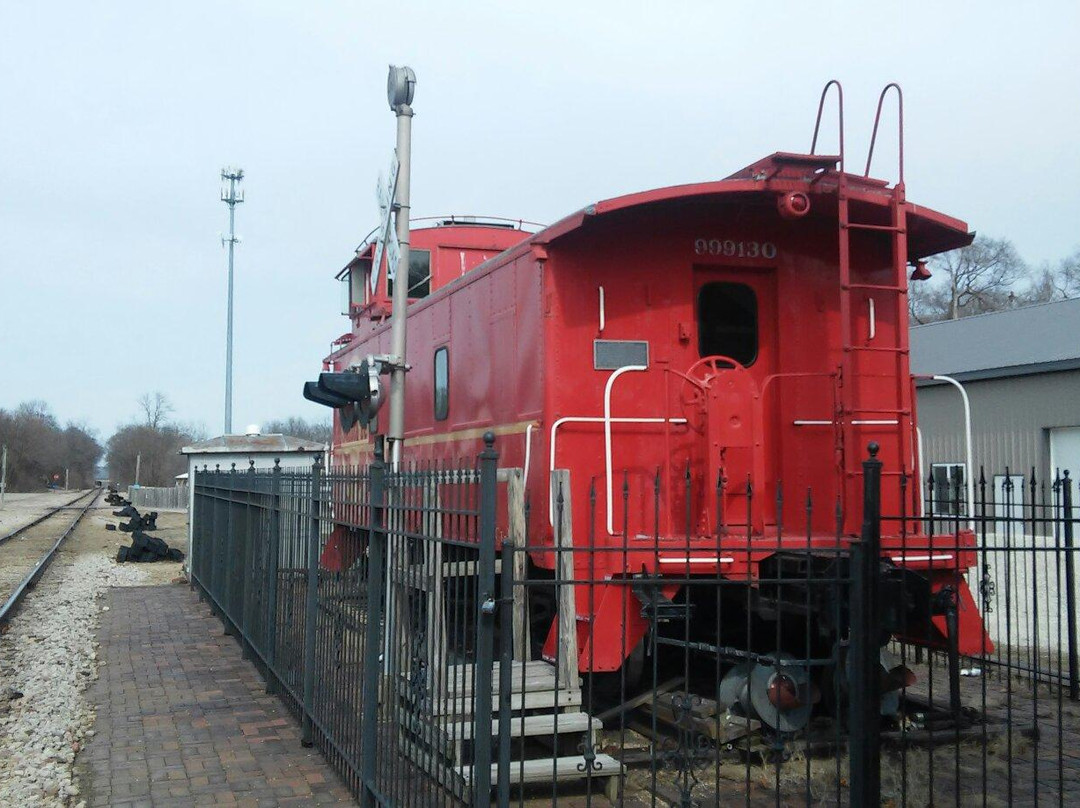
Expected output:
(1065, 451)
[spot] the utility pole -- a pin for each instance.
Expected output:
(400, 86)
(138, 465)
(231, 195)
(3, 474)
(67, 479)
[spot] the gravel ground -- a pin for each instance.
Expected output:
(48, 659)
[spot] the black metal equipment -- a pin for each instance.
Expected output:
(355, 392)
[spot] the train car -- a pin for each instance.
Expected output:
(681, 349)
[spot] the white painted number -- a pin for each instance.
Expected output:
(735, 249)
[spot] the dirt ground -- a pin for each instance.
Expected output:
(92, 537)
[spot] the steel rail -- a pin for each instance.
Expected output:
(43, 517)
(7, 611)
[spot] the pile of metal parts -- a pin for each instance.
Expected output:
(144, 547)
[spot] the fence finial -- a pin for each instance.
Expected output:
(489, 439)
(277, 463)
(873, 448)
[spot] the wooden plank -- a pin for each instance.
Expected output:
(534, 700)
(418, 576)
(564, 571)
(544, 770)
(525, 727)
(436, 620)
(515, 503)
(638, 700)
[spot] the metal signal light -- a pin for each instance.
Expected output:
(356, 393)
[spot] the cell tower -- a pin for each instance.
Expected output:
(231, 195)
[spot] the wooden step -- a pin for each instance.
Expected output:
(537, 676)
(462, 707)
(418, 576)
(545, 770)
(528, 726)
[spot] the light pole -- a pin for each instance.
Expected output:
(400, 86)
(231, 195)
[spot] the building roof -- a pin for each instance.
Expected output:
(1033, 339)
(253, 444)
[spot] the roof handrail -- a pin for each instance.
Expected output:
(840, 110)
(900, 127)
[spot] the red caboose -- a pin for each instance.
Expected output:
(679, 347)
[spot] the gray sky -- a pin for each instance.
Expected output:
(116, 117)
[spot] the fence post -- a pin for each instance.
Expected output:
(864, 698)
(508, 614)
(311, 611)
(1070, 588)
(272, 562)
(230, 553)
(485, 627)
(376, 570)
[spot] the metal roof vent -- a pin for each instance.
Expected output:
(252, 430)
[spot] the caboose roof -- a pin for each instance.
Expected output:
(929, 232)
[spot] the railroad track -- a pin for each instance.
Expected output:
(26, 553)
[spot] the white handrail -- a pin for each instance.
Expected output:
(922, 473)
(528, 456)
(968, 479)
(593, 419)
(607, 437)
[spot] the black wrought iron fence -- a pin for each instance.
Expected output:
(358, 592)
(929, 660)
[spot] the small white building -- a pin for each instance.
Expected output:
(242, 450)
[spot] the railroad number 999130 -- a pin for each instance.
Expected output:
(734, 249)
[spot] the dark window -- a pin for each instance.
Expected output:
(442, 384)
(419, 275)
(949, 491)
(728, 321)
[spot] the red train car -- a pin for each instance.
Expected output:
(701, 338)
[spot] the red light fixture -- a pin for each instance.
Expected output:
(920, 273)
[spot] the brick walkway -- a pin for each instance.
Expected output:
(184, 720)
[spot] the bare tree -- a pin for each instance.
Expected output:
(156, 408)
(979, 278)
(315, 430)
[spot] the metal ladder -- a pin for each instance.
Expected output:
(850, 413)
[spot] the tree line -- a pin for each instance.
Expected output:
(986, 276)
(41, 452)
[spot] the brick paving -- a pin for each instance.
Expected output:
(183, 720)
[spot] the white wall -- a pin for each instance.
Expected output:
(225, 461)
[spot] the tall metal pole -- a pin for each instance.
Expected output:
(3, 474)
(231, 196)
(138, 465)
(400, 87)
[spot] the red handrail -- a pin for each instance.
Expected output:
(900, 127)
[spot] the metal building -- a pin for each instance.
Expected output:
(1020, 370)
(243, 452)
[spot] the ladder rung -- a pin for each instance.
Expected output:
(883, 473)
(885, 227)
(876, 287)
(873, 349)
(890, 411)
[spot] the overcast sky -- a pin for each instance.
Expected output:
(116, 118)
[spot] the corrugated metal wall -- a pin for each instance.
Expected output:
(1010, 421)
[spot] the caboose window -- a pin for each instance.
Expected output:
(419, 275)
(442, 384)
(728, 321)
